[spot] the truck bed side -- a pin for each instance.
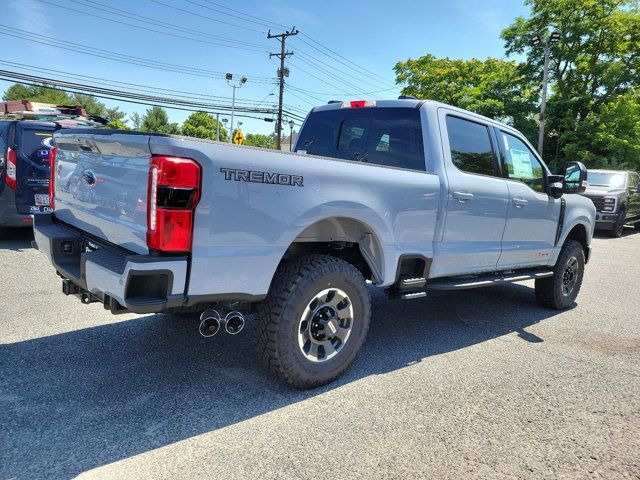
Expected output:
(243, 228)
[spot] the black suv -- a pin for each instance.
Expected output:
(616, 195)
(24, 171)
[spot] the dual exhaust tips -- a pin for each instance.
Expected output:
(211, 322)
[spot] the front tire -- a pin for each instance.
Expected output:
(314, 321)
(560, 291)
(618, 227)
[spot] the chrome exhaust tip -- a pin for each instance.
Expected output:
(209, 323)
(234, 323)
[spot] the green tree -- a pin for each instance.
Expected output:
(37, 94)
(259, 140)
(495, 88)
(136, 121)
(116, 118)
(90, 104)
(203, 125)
(156, 120)
(593, 68)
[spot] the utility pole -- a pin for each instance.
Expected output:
(548, 41)
(282, 38)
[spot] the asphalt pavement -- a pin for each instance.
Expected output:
(472, 384)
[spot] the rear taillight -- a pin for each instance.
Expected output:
(52, 178)
(174, 191)
(12, 169)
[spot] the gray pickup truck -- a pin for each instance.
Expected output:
(616, 196)
(405, 195)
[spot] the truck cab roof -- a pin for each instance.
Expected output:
(404, 103)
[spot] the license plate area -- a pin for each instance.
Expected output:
(41, 199)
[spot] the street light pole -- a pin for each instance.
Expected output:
(243, 80)
(217, 127)
(548, 42)
(291, 124)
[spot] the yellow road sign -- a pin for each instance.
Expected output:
(238, 138)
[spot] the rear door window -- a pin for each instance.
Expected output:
(380, 136)
(470, 145)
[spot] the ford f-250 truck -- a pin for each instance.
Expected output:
(407, 195)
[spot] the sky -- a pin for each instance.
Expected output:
(345, 50)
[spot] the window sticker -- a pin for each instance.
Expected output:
(521, 162)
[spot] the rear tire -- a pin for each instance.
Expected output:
(560, 291)
(618, 228)
(314, 320)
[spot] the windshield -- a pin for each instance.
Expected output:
(606, 179)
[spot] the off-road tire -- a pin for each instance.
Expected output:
(549, 291)
(618, 227)
(295, 285)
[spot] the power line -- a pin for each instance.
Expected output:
(132, 86)
(148, 29)
(127, 96)
(357, 77)
(160, 23)
(204, 16)
(328, 73)
(304, 99)
(360, 70)
(329, 94)
(312, 75)
(119, 57)
(257, 20)
(351, 64)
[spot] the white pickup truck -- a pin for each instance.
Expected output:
(406, 195)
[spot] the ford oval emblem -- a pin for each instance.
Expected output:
(89, 177)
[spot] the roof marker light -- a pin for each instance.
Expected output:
(359, 104)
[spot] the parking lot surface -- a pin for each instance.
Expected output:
(479, 383)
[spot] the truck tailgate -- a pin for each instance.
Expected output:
(101, 185)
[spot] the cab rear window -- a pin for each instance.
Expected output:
(381, 136)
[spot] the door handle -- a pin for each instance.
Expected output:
(520, 202)
(463, 197)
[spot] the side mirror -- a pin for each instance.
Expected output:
(575, 178)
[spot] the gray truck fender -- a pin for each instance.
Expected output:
(348, 229)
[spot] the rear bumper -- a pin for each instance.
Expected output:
(121, 281)
(9, 216)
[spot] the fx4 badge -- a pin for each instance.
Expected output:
(255, 176)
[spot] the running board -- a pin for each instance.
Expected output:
(412, 283)
(461, 283)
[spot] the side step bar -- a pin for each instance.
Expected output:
(461, 283)
(411, 288)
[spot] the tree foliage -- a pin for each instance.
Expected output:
(37, 94)
(203, 125)
(594, 69)
(156, 120)
(259, 140)
(495, 88)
